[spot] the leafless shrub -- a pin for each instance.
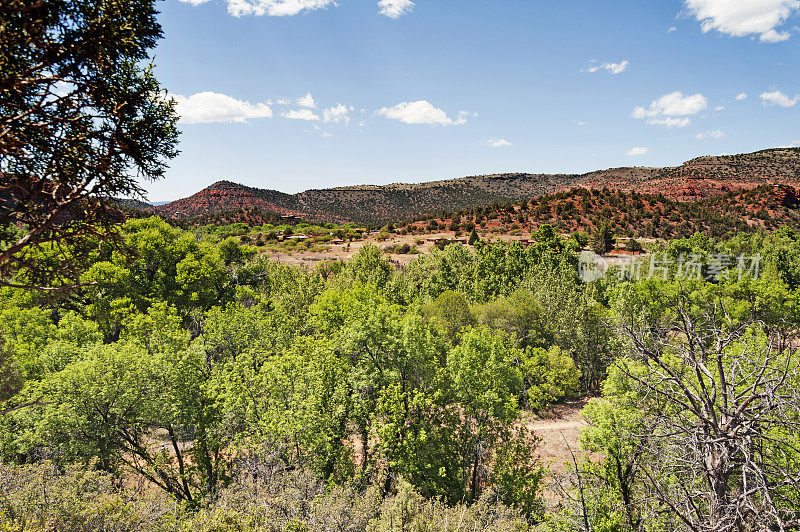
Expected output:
(714, 444)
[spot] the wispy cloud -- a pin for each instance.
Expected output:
(715, 134)
(301, 114)
(498, 143)
(636, 151)
(741, 96)
(614, 68)
(337, 114)
(307, 101)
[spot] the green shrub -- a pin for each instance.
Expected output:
(633, 246)
(549, 375)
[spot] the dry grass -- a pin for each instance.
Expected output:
(559, 429)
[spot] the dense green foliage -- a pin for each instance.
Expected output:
(188, 353)
(193, 365)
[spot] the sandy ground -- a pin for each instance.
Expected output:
(559, 432)
(345, 251)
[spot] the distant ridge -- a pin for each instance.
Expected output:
(135, 204)
(698, 178)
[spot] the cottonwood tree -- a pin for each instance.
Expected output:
(706, 421)
(143, 404)
(82, 119)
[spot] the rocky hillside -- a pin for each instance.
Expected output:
(696, 179)
(706, 176)
(629, 213)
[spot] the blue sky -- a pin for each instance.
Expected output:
(299, 94)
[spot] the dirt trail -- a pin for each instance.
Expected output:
(559, 432)
(555, 425)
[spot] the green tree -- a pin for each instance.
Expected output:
(581, 238)
(603, 238)
(520, 315)
(82, 117)
(517, 474)
(614, 483)
(545, 233)
(548, 376)
(11, 379)
(162, 264)
(485, 382)
(633, 246)
(143, 404)
(367, 266)
(451, 312)
(473, 238)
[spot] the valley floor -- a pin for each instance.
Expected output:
(422, 243)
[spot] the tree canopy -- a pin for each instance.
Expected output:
(82, 120)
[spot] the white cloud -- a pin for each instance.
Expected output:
(307, 101)
(741, 96)
(614, 68)
(326, 135)
(498, 143)
(337, 114)
(580, 122)
(674, 104)
(719, 108)
(638, 150)
(673, 28)
(778, 98)
(716, 134)
(395, 8)
(672, 110)
(301, 114)
(195, 2)
(421, 112)
(740, 18)
(274, 8)
(207, 107)
(670, 122)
